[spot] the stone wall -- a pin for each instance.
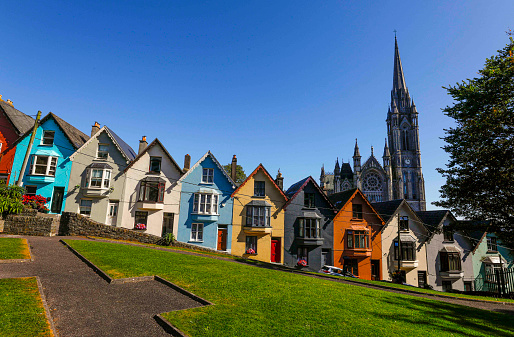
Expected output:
(29, 223)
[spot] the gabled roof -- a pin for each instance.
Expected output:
(21, 122)
(209, 154)
(346, 171)
(260, 167)
(123, 147)
(476, 236)
(296, 188)
(387, 208)
(152, 144)
(433, 219)
(76, 137)
(372, 162)
(341, 199)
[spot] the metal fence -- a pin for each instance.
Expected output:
(499, 281)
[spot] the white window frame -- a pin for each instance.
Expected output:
(90, 207)
(206, 174)
(49, 165)
(205, 203)
(102, 154)
(105, 178)
(197, 232)
(44, 137)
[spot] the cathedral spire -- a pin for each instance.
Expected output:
(398, 77)
(337, 169)
(356, 152)
(386, 150)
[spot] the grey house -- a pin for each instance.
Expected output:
(449, 253)
(308, 226)
(97, 176)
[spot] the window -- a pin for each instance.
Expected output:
(303, 254)
(151, 191)
(357, 211)
(259, 189)
(308, 200)
(43, 165)
(450, 261)
(167, 223)
(357, 239)
(414, 185)
(48, 138)
(85, 207)
(447, 234)
(98, 178)
(208, 175)
(352, 266)
(30, 190)
(155, 164)
(197, 232)
(447, 285)
(408, 251)
(141, 217)
(404, 223)
(251, 245)
(309, 228)
(205, 203)
(468, 286)
(1, 144)
(258, 216)
(103, 151)
(492, 245)
(405, 194)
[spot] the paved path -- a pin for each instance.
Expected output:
(83, 304)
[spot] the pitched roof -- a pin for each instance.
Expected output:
(299, 186)
(209, 154)
(260, 167)
(156, 141)
(346, 171)
(339, 200)
(387, 208)
(19, 120)
(432, 219)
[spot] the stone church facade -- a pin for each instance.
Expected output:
(399, 176)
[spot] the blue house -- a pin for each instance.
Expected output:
(48, 169)
(205, 217)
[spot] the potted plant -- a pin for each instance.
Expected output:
(302, 263)
(140, 226)
(250, 251)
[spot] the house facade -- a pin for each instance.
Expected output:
(13, 124)
(258, 218)
(357, 235)
(401, 219)
(206, 205)
(449, 253)
(308, 226)
(49, 167)
(97, 176)
(151, 197)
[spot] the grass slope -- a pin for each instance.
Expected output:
(254, 301)
(21, 309)
(14, 248)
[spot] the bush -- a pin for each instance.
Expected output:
(168, 239)
(10, 199)
(35, 202)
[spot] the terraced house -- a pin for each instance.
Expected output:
(97, 176)
(206, 204)
(258, 219)
(50, 167)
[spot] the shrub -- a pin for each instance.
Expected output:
(10, 199)
(168, 239)
(35, 202)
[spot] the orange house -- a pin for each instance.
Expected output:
(357, 235)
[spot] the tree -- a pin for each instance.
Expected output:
(480, 173)
(240, 173)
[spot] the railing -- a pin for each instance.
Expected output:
(499, 281)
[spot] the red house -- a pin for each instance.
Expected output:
(13, 124)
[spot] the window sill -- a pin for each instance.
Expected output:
(206, 183)
(249, 253)
(193, 241)
(150, 205)
(36, 178)
(356, 219)
(259, 196)
(492, 252)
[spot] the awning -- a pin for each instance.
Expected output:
(406, 238)
(310, 214)
(47, 152)
(450, 249)
(495, 259)
(259, 203)
(100, 165)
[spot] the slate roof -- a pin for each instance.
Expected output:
(386, 209)
(341, 198)
(21, 122)
(432, 219)
(156, 141)
(129, 152)
(293, 189)
(299, 186)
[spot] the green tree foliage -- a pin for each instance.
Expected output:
(10, 198)
(240, 173)
(480, 174)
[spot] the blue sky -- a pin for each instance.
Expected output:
(289, 84)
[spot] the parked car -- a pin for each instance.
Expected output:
(331, 270)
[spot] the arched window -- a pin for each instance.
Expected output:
(414, 185)
(373, 187)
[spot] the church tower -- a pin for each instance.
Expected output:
(403, 136)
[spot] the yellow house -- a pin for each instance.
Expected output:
(258, 221)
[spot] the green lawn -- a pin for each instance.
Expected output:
(21, 309)
(254, 301)
(14, 248)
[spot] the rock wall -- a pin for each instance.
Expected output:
(29, 223)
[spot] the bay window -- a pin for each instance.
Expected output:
(98, 176)
(357, 239)
(258, 216)
(43, 165)
(450, 261)
(205, 203)
(408, 251)
(151, 190)
(309, 228)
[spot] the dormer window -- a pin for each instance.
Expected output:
(98, 176)
(48, 138)
(155, 164)
(208, 175)
(43, 165)
(103, 151)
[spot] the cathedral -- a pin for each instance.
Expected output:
(399, 175)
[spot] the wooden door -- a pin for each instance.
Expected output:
(222, 239)
(275, 250)
(57, 199)
(375, 270)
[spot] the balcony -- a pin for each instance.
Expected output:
(40, 179)
(407, 265)
(309, 241)
(452, 274)
(150, 206)
(257, 229)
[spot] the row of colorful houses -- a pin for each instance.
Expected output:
(100, 176)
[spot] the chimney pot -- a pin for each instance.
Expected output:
(142, 145)
(10, 102)
(187, 163)
(233, 168)
(1, 98)
(280, 180)
(95, 128)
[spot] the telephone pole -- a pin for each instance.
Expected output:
(29, 147)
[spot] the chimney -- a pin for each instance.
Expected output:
(280, 180)
(1, 98)
(233, 168)
(95, 128)
(187, 163)
(142, 145)
(10, 102)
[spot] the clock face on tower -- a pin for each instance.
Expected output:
(407, 161)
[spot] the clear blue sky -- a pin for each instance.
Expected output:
(290, 84)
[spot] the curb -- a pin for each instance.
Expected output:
(47, 309)
(21, 260)
(166, 326)
(89, 263)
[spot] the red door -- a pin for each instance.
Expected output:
(275, 250)
(222, 239)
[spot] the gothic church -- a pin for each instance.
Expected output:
(399, 176)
